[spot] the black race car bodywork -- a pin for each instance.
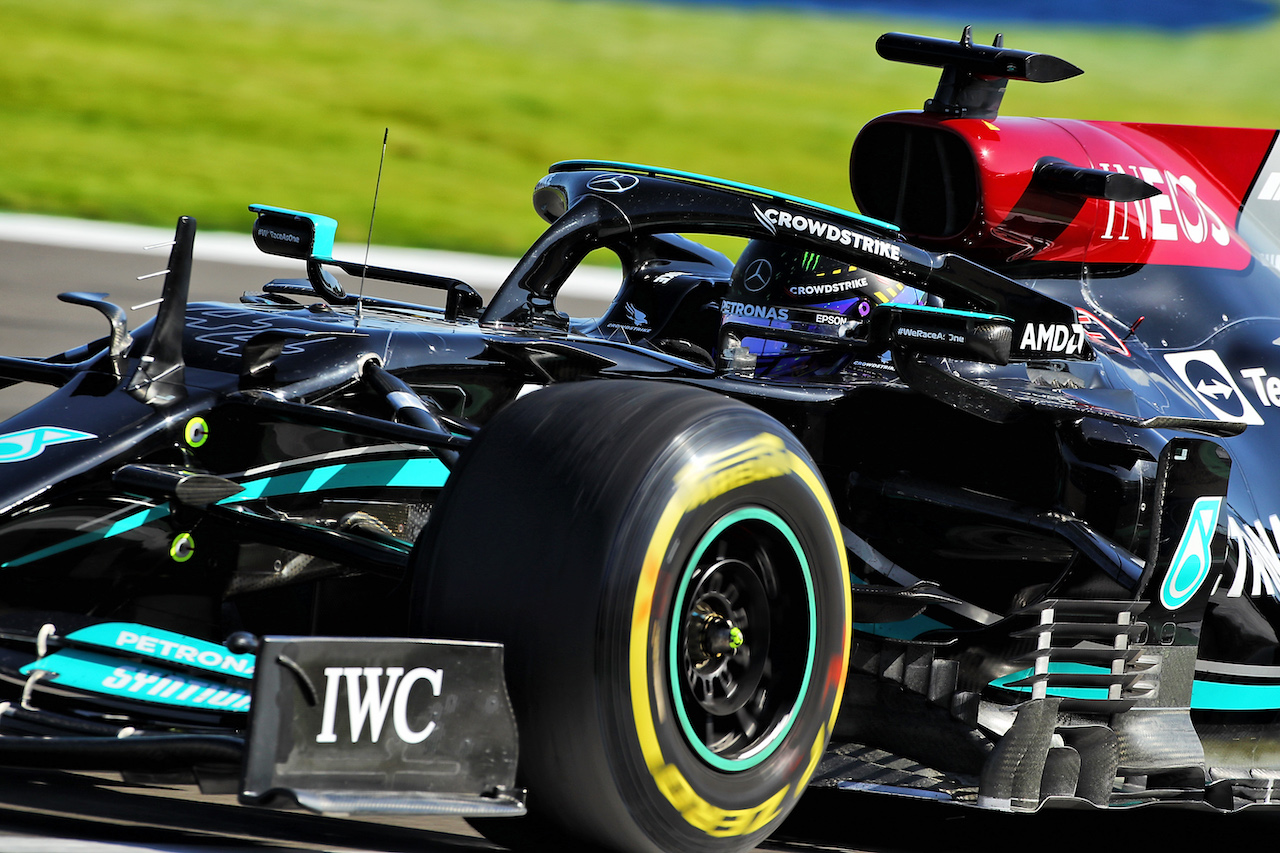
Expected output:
(308, 544)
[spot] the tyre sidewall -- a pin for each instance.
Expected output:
(564, 535)
(720, 466)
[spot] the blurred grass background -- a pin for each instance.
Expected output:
(142, 110)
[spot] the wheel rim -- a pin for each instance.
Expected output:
(742, 639)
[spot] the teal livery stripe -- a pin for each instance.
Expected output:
(1062, 668)
(1227, 696)
(418, 473)
(423, 473)
(1205, 695)
(953, 312)
(108, 676)
(123, 525)
(907, 629)
(659, 171)
(163, 645)
(326, 228)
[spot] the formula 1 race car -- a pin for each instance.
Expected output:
(595, 578)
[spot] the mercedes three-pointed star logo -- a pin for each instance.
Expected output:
(758, 275)
(612, 183)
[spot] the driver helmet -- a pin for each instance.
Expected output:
(781, 287)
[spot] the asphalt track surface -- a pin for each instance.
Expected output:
(45, 811)
(51, 812)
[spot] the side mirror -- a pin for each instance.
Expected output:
(292, 233)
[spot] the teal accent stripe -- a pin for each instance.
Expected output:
(955, 312)
(1205, 695)
(418, 473)
(110, 676)
(1224, 696)
(253, 490)
(165, 646)
(694, 739)
(326, 228)
(319, 477)
(129, 522)
(659, 171)
(1068, 692)
(136, 520)
(906, 629)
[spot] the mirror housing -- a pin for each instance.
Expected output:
(972, 336)
(293, 233)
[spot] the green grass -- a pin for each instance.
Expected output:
(142, 110)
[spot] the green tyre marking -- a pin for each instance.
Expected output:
(760, 752)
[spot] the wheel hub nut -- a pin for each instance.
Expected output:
(722, 637)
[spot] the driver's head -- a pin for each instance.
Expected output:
(777, 286)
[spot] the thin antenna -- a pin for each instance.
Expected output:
(369, 240)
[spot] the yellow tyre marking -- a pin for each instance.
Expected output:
(760, 458)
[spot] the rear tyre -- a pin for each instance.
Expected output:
(663, 567)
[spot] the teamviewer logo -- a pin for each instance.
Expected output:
(1209, 379)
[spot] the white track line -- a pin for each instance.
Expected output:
(483, 271)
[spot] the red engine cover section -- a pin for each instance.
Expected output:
(967, 185)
